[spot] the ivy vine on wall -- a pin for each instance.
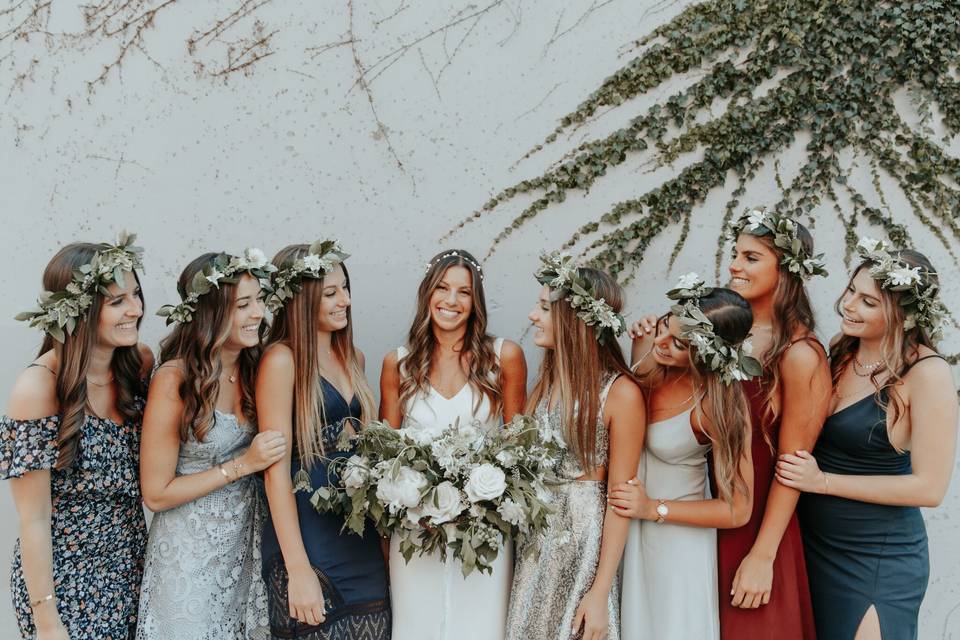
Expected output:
(834, 66)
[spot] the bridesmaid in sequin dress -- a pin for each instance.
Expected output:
(200, 450)
(571, 589)
(887, 449)
(70, 447)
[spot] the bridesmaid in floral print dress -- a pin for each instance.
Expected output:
(70, 447)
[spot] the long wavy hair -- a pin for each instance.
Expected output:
(579, 366)
(295, 326)
(73, 355)
(898, 348)
(477, 355)
(730, 412)
(198, 345)
(792, 314)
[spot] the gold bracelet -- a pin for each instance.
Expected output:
(225, 474)
(45, 598)
(238, 468)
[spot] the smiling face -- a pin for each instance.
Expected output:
(669, 349)
(540, 317)
(334, 301)
(862, 308)
(247, 314)
(451, 302)
(755, 269)
(120, 313)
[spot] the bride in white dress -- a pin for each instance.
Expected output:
(450, 371)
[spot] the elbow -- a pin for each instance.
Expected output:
(156, 503)
(931, 498)
(741, 516)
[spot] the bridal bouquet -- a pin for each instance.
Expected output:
(454, 489)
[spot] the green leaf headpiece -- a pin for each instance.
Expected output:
(320, 260)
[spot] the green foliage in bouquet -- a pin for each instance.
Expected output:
(453, 489)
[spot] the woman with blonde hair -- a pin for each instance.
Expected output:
(321, 585)
(451, 371)
(587, 399)
(690, 370)
(886, 449)
(70, 447)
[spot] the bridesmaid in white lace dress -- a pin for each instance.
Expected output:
(695, 403)
(198, 452)
(451, 370)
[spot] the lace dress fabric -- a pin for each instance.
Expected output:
(202, 577)
(97, 524)
(548, 589)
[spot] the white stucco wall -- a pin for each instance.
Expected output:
(293, 152)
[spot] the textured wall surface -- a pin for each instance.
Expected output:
(217, 125)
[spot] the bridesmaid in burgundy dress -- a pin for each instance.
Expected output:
(762, 574)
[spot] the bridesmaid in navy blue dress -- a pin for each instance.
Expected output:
(321, 585)
(886, 449)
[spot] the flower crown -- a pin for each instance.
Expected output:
(730, 362)
(59, 310)
(920, 300)
(566, 281)
(457, 254)
(321, 258)
(223, 268)
(784, 230)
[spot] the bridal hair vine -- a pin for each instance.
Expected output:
(561, 274)
(731, 362)
(785, 232)
(224, 268)
(456, 254)
(321, 258)
(920, 297)
(59, 311)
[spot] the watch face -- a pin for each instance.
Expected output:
(662, 510)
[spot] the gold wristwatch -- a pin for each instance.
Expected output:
(662, 511)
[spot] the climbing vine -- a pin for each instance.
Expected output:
(835, 67)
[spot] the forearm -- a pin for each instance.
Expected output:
(36, 553)
(612, 541)
(187, 488)
(714, 513)
(283, 512)
(902, 491)
(781, 505)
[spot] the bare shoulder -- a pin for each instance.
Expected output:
(391, 360)
(625, 394)
(931, 371)
(511, 353)
(802, 357)
(361, 358)
(146, 357)
(34, 395)
(170, 372)
(277, 357)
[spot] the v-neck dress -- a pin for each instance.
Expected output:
(858, 553)
(350, 568)
(431, 598)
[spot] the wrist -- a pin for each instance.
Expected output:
(46, 617)
(649, 511)
(767, 555)
(239, 467)
(824, 483)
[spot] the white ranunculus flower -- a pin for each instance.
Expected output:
(355, 473)
(688, 280)
(756, 219)
(421, 434)
(507, 458)
(511, 512)
(312, 262)
(904, 276)
(255, 257)
(486, 482)
(443, 504)
(402, 489)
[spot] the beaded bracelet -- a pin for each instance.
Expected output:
(40, 601)
(225, 474)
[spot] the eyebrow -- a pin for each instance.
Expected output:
(243, 298)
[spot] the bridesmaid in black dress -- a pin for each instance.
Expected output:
(886, 449)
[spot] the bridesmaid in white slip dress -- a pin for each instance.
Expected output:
(451, 371)
(670, 561)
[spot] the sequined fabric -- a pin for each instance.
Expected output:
(547, 589)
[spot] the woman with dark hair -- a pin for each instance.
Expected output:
(586, 398)
(321, 585)
(200, 449)
(690, 370)
(886, 449)
(451, 371)
(70, 446)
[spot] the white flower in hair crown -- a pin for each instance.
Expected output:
(561, 274)
(785, 232)
(59, 310)
(457, 254)
(224, 268)
(920, 300)
(321, 258)
(731, 362)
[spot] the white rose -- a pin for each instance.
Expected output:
(688, 281)
(401, 490)
(443, 504)
(312, 262)
(355, 473)
(512, 512)
(421, 434)
(507, 458)
(486, 482)
(904, 276)
(255, 258)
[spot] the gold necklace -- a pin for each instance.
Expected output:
(100, 384)
(233, 376)
(869, 368)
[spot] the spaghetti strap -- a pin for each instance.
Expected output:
(919, 360)
(808, 338)
(37, 364)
